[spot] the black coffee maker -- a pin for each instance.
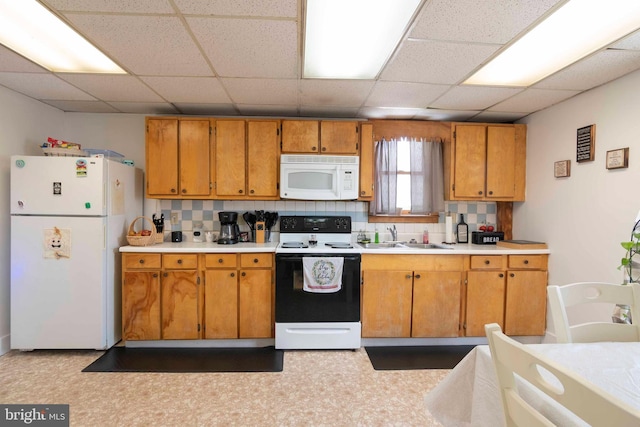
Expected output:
(229, 230)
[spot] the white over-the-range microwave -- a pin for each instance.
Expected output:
(319, 177)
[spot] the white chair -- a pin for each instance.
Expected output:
(584, 399)
(561, 297)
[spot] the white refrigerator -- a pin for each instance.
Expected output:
(69, 216)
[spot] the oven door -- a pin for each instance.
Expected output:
(294, 305)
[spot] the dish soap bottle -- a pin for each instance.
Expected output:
(462, 230)
(377, 237)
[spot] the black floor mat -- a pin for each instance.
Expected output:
(417, 357)
(123, 359)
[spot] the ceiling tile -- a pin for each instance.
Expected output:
(11, 61)
(119, 6)
(207, 109)
(249, 47)
(631, 42)
(497, 117)
(147, 45)
(406, 95)
(144, 108)
(268, 110)
(594, 70)
(320, 111)
(531, 100)
(496, 21)
(473, 97)
(109, 87)
(82, 106)
(421, 61)
(388, 113)
(445, 115)
(262, 91)
(266, 8)
(345, 93)
(43, 86)
(206, 90)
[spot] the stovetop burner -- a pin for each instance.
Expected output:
(339, 245)
(294, 245)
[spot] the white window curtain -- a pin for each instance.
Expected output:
(427, 177)
(427, 186)
(386, 168)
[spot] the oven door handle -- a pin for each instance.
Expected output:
(299, 258)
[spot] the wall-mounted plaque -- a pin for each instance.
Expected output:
(585, 151)
(562, 168)
(617, 159)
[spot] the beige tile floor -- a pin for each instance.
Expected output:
(316, 388)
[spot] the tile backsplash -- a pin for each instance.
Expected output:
(206, 211)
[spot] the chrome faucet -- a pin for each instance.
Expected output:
(394, 233)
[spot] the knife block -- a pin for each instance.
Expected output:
(260, 232)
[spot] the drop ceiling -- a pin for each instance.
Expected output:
(244, 57)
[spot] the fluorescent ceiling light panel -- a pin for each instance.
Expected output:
(31, 30)
(576, 30)
(352, 39)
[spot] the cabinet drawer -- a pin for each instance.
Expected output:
(141, 261)
(486, 262)
(220, 261)
(256, 260)
(535, 262)
(180, 261)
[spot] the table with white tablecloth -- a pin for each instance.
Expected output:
(470, 396)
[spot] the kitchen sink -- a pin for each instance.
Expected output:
(403, 245)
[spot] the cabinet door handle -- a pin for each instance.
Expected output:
(313, 148)
(179, 261)
(244, 274)
(501, 275)
(362, 193)
(255, 260)
(490, 193)
(417, 276)
(173, 190)
(165, 274)
(141, 261)
(480, 192)
(526, 261)
(324, 148)
(233, 274)
(408, 276)
(220, 261)
(252, 191)
(155, 275)
(487, 262)
(240, 191)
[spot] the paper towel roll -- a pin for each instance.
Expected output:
(448, 229)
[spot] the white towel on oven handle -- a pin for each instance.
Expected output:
(322, 274)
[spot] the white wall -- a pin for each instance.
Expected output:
(583, 217)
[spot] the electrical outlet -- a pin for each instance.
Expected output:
(174, 218)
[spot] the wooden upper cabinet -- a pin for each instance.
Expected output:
(230, 158)
(300, 136)
(195, 158)
(162, 157)
(324, 137)
(366, 162)
(263, 157)
(470, 161)
(338, 137)
(178, 157)
(486, 162)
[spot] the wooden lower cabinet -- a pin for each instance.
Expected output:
(386, 303)
(510, 290)
(191, 296)
(411, 295)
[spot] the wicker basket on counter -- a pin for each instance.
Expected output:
(141, 240)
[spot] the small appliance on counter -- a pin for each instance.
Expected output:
(486, 237)
(229, 230)
(198, 232)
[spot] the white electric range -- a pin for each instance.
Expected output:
(308, 319)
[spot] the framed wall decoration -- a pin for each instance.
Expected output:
(618, 159)
(562, 169)
(586, 141)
